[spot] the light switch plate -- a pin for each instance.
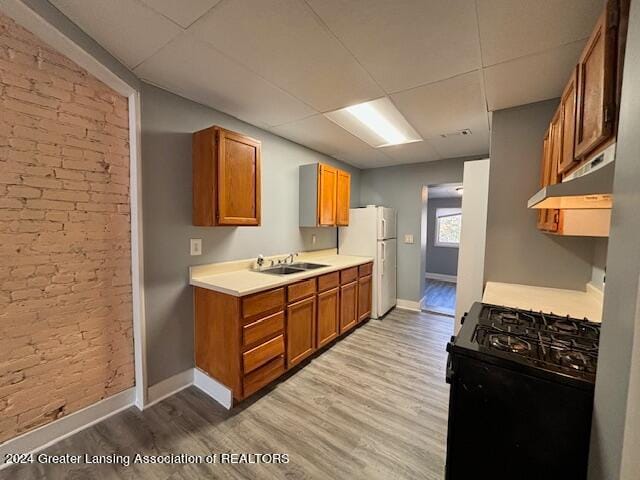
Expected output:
(408, 238)
(196, 247)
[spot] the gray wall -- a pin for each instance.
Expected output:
(615, 439)
(443, 260)
(599, 264)
(167, 124)
(401, 188)
(516, 251)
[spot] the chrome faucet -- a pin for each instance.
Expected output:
(291, 256)
(260, 261)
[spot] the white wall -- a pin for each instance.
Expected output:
(472, 238)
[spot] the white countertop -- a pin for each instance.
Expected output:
(242, 281)
(577, 304)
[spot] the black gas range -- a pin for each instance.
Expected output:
(521, 395)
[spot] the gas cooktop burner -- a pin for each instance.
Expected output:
(564, 326)
(509, 343)
(548, 341)
(575, 360)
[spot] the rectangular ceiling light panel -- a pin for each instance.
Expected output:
(378, 123)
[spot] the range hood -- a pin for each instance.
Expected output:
(592, 190)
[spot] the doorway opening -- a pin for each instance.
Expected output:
(443, 214)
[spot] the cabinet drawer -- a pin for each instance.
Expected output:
(301, 290)
(328, 281)
(364, 270)
(262, 303)
(348, 275)
(258, 356)
(263, 375)
(262, 329)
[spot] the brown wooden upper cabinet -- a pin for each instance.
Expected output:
(568, 124)
(597, 84)
(226, 178)
(343, 198)
(325, 193)
(547, 218)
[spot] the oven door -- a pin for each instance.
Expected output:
(505, 424)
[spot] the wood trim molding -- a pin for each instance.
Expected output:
(441, 276)
(408, 305)
(168, 387)
(214, 389)
(40, 438)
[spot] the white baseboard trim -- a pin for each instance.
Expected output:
(46, 435)
(169, 386)
(182, 380)
(408, 305)
(213, 388)
(442, 277)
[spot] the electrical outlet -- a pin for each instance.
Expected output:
(313, 239)
(408, 238)
(196, 247)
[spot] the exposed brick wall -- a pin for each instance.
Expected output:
(66, 336)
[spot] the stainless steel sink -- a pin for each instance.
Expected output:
(308, 266)
(282, 270)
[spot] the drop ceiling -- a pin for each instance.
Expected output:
(281, 64)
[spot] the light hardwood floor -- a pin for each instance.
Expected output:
(374, 406)
(440, 297)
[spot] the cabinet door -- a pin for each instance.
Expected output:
(348, 306)
(596, 85)
(327, 187)
(328, 314)
(555, 149)
(301, 323)
(546, 157)
(238, 179)
(364, 298)
(568, 124)
(550, 154)
(344, 198)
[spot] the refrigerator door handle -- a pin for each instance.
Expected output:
(382, 259)
(384, 228)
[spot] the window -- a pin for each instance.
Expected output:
(448, 223)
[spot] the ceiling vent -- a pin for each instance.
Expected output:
(457, 133)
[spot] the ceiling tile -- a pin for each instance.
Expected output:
(130, 31)
(531, 79)
(476, 144)
(445, 107)
(415, 152)
(183, 13)
(195, 70)
(284, 41)
(365, 157)
(406, 43)
(514, 28)
(319, 133)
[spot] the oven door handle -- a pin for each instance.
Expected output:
(449, 371)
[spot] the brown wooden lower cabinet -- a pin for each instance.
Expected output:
(301, 330)
(348, 306)
(247, 342)
(328, 315)
(364, 297)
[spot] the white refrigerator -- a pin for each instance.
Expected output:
(372, 233)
